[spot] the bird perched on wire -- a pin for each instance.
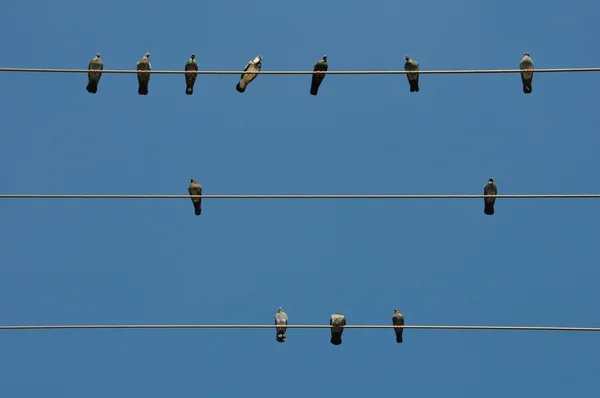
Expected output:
(190, 78)
(413, 78)
(94, 77)
(398, 320)
(490, 189)
(196, 189)
(253, 66)
(319, 70)
(143, 77)
(337, 321)
(527, 77)
(281, 320)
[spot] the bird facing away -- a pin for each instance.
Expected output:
(190, 78)
(245, 79)
(143, 77)
(398, 320)
(337, 321)
(317, 78)
(413, 78)
(281, 319)
(526, 77)
(490, 189)
(94, 77)
(196, 189)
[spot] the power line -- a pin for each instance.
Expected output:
(456, 327)
(341, 72)
(300, 196)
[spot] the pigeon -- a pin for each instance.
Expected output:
(317, 78)
(526, 77)
(490, 189)
(94, 77)
(413, 78)
(281, 319)
(190, 78)
(143, 77)
(337, 321)
(245, 79)
(397, 320)
(196, 189)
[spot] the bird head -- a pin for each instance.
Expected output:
(324, 57)
(260, 57)
(192, 180)
(407, 58)
(279, 309)
(396, 311)
(147, 55)
(526, 55)
(491, 180)
(97, 55)
(193, 56)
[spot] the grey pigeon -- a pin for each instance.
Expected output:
(245, 79)
(337, 321)
(196, 189)
(490, 189)
(94, 77)
(143, 77)
(281, 319)
(317, 77)
(526, 77)
(190, 78)
(413, 78)
(398, 320)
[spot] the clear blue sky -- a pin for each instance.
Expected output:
(438, 261)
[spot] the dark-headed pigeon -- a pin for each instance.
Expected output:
(398, 320)
(413, 78)
(337, 322)
(526, 77)
(252, 66)
(190, 78)
(94, 77)
(317, 78)
(281, 320)
(143, 77)
(196, 189)
(490, 189)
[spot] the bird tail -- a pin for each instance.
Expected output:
(92, 87)
(314, 89)
(197, 208)
(240, 88)
(189, 90)
(489, 209)
(143, 88)
(527, 89)
(336, 338)
(414, 86)
(399, 336)
(281, 337)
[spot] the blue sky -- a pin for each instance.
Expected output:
(438, 261)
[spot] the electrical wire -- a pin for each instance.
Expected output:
(301, 196)
(456, 327)
(341, 72)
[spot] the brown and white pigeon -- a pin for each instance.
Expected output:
(413, 78)
(196, 189)
(526, 77)
(254, 65)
